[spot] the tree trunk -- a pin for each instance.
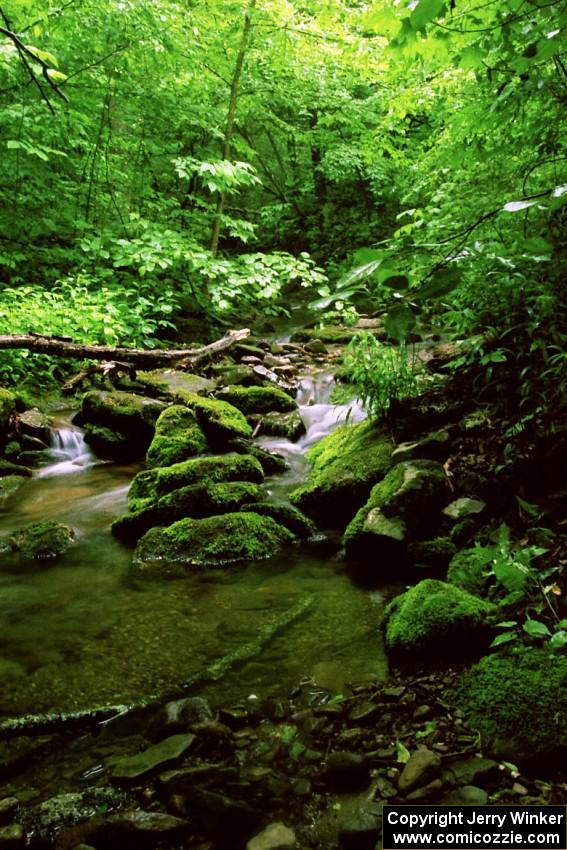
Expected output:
(183, 357)
(227, 142)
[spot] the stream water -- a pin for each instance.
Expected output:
(86, 630)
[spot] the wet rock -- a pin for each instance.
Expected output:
(33, 423)
(277, 377)
(175, 384)
(236, 374)
(181, 781)
(422, 768)
(399, 508)
(435, 620)
(258, 399)
(346, 771)
(12, 837)
(434, 446)
(9, 486)
(220, 421)
(179, 716)
(431, 791)
(138, 830)
(131, 417)
(8, 808)
(287, 425)
(316, 346)
(464, 507)
(466, 770)
(468, 795)
(43, 540)
(216, 540)
(221, 816)
(251, 360)
(360, 827)
(271, 462)
(70, 810)
(131, 769)
(288, 516)
(276, 836)
(178, 436)
(272, 360)
(8, 468)
(344, 467)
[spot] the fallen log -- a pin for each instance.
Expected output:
(185, 358)
(45, 724)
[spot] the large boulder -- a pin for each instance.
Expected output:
(195, 501)
(344, 467)
(518, 703)
(403, 506)
(220, 420)
(178, 436)
(434, 621)
(150, 484)
(119, 423)
(174, 384)
(292, 518)
(214, 541)
(258, 399)
(42, 540)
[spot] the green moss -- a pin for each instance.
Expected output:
(195, 501)
(258, 399)
(405, 503)
(435, 620)
(243, 349)
(8, 468)
(129, 421)
(286, 515)
(148, 486)
(109, 443)
(7, 408)
(178, 436)
(219, 420)
(214, 541)
(345, 466)
(231, 374)
(518, 703)
(173, 383)
(287, 425)
(269, 461)
(468, 569)
(9, 486)
(43, 540)
(332, 335)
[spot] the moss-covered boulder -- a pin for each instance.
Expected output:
(258, 399)
(110, 444)
(403, 506)
(129, 420)
(470, 570)
(518, 703)
(174, 384)
(9, 486)
(214, 541)
(9, 468)
(235, 374)
(195, 501)
(344, 467)
(150, 484)
(271, 462)
(7, 408)
(220, 421)
(42, 540)
(178, 436)
(287, 515)
(434, 621)
(289, 426)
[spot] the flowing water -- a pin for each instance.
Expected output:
(86, 630)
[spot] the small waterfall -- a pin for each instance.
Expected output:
(69, 451)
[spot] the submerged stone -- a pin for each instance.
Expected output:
(435, 620)
(345, 466)
(158, 757)
(178, 436)
(42, 540)
(401, 507)
(9, 486)
(150, 484)
(213, 541)
(258, 399)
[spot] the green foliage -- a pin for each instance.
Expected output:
(381, 374)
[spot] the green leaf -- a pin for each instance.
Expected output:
(396, 281)
(399, 322)
(506, 637)
(425, 11)
(402, 753)
(536, 629)
(507, 624)
(444, 282)
(558, 640)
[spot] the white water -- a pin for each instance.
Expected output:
(69, 451)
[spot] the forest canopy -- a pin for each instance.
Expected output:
(163, 159)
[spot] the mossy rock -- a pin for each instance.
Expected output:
(271, 462)
(132, 417)
(178, 436)
(215, 541)
(150, 484)
(7, 408)
(111, 444)
(468, 570)
(434, 621)
(518, 703)
(9, 486)
(344, 467)
(195, 501)
(236, 374)
(292, 518)
(174, 384)
(8, 468)
(220, 421)
(258, 399)
(432, 555)
(401, 507)
(243, 349)
(289, 426)
(332, 334)
(43, 540)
